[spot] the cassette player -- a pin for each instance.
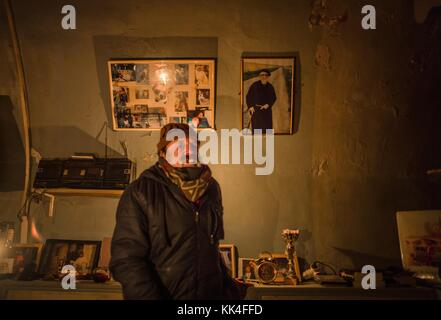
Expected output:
(84, 173)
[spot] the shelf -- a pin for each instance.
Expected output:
(67, 192)
(51, 193)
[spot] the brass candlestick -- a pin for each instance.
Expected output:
(293, 273)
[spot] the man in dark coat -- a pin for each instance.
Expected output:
(168, 225)
(260, 100)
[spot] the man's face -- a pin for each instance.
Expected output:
(264, 77)
(182, 153)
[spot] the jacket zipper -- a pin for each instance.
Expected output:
(196, 219)
(197, 216)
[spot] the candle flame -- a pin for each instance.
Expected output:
(34, 232)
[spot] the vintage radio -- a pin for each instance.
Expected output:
(118, 173)
(48, 173)
(83, 173)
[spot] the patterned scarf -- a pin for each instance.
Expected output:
(192, 181)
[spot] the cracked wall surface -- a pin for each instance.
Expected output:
(374, 104)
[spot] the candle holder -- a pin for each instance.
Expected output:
(290, 237)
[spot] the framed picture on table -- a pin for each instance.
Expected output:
(22, 257)
(247, 269)
(229, 256)
(83, 255)
(147, 94)
(419, 233)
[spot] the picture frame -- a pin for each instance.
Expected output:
(7, 230)
(246, 269)
(419, 234)
(229, 256)
(24, 257)
(268, 93)
(281, 262)
(82, 254)
(149, 93)
(6, 266)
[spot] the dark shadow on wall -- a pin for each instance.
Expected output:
(119, 47)
(425, 110)
(58, 141)
(297, 81)
(12, 157)
(360, 259)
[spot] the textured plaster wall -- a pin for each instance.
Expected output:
(367, 114)
(375, 101)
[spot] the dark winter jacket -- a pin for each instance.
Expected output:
(166, 247)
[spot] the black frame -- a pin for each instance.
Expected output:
(134, 60)
(48, 251)
(293, 87)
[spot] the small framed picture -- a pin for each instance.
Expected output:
(83, 255)
(24, 257)
(267, 93)
(281, 262)
(229, 256)
(420, 241)
(6, 266)
(247, 269)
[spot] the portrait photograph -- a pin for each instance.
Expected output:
(181, 74)
(267, 94)
(200, 118)
(202, 97)
(142, 73)
(142, 94)
(202, 74)
(246, 269)
(181, 101)
(179, 87)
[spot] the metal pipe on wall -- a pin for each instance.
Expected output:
(24, 107)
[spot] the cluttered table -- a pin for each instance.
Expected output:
(89, 290)
(314, 291)
(52, 290)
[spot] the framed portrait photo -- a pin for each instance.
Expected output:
(147, 94)
(229, 256)
(267, 93)
(247, 268)
(83, 255)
